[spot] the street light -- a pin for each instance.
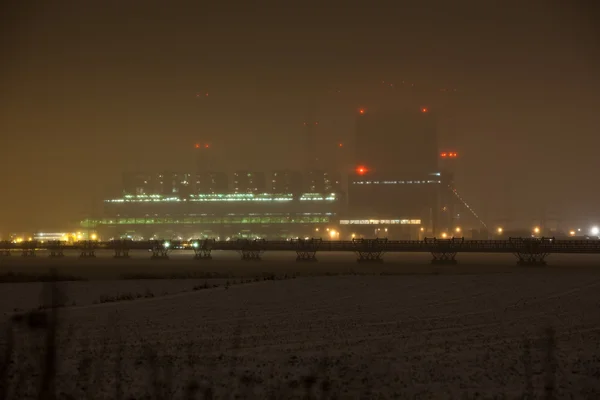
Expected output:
(500, 230)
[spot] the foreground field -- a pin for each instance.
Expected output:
(16, 297)
(413, 336)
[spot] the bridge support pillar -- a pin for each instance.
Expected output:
(306, 250)
(203, 249)
(160, 251)
(369, 250)
(444, 250)
(88, 250)
(526, 258)
(444, 258)
(531, 251)
(121, 249)
(56, 250)
(28, 249)
(251, 250)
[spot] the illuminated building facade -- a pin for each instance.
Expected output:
(318, 181)
(211, 182)
(287, 181)
(203, 204)
(397, 176)
(249, 182)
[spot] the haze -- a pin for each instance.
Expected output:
(90, 90)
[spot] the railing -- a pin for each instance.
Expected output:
(527, 250)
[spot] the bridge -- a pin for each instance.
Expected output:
(528, 251)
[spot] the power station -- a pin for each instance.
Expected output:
(401, 187)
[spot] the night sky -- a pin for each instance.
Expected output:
(90, 89)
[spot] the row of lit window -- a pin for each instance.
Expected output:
(200, 220)
(392, 182)
(380, 222)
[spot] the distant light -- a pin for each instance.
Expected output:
(424, 109)
(361, 170)
(458, 229)
(197, 145)
(341, 145)
(443, 155)
(572, 233)
(353, 235)
(361, 111)
(595, 230)
(499, 230)
(444, 235)
(206, 146)
(167, 244)
(332, 234)
(536, 229)
(94, 236)
(422, 229)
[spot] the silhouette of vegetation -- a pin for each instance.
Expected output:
(11, 277)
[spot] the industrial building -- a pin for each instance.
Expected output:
(401, 187)
(397, 175)
(206, 204)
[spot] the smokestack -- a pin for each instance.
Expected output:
(310, 139)
(203, 157)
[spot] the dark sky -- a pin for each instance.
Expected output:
(90, 89)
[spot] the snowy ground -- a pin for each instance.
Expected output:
(411, 336)
(17, 297)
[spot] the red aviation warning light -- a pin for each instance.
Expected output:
(361, 111)
(206, 146)
(424, 109)
(340, 144)
(451, 154)
(361, 170)
(197, 145)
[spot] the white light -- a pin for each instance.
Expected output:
(595, 230)
(167, 244)
(195, 244)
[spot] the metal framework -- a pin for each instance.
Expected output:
(251, 250)
(160, 250)
(203, 249)
(444, 251)
(528, 251)
(306, 249)
(56, 249)
(370, 250)
(88, 249)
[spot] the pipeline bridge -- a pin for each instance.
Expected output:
(528, 251)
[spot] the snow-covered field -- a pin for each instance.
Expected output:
(411, 336)
(17, 297)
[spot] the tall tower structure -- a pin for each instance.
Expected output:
(400, 142)
(310, 139)
(203, 157)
